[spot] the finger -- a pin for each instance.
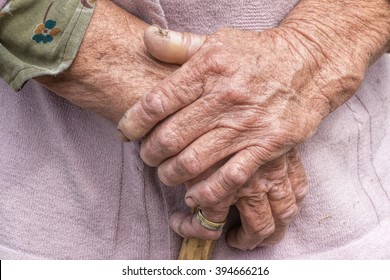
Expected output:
(176, 133)
(196, 158)
(169, 96)
(171, 46)
(256, 223)
(194, 121)
(232, 175)
(188, 226)
(297, 176)
(280, 194)
(204, 175)
(281, 198)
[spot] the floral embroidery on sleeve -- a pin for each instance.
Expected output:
(45, 31)
(48, 37)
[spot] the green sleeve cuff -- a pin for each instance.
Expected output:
(40, 37)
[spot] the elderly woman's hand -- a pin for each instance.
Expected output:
(267, 204)
(246, 96)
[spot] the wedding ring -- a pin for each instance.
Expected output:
(207, 223)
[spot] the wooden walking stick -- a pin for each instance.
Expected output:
(198, 249)
(195, 248)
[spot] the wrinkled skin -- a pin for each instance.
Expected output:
(109, 76)
(264, 219)
(246, 98)
(267, 204)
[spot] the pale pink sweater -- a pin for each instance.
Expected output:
(69, 189)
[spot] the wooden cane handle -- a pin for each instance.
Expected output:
(195, 248)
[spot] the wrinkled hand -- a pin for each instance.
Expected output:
(267, 204)
(244, 95)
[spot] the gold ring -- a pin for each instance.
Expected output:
(207, 223)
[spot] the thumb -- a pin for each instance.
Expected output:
(171, 46)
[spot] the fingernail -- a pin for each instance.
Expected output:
(121, 136)
(162, 32)
(123, 128)
(231, 237)
(191, 202)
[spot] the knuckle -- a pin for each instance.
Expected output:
(235, 96)
(215, 60)
(297, 174)
(209, 196)
(255, 188)
(153, 104)
(278, 191)
(147, 156)
(175, 92)
(277, 172)
(167, 141)
(300, 193)
(189, 163)
(255, 201)
(287, 216)
(168, 178)
(235, 176)
(262, 231)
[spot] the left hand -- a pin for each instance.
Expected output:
(267, 204)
